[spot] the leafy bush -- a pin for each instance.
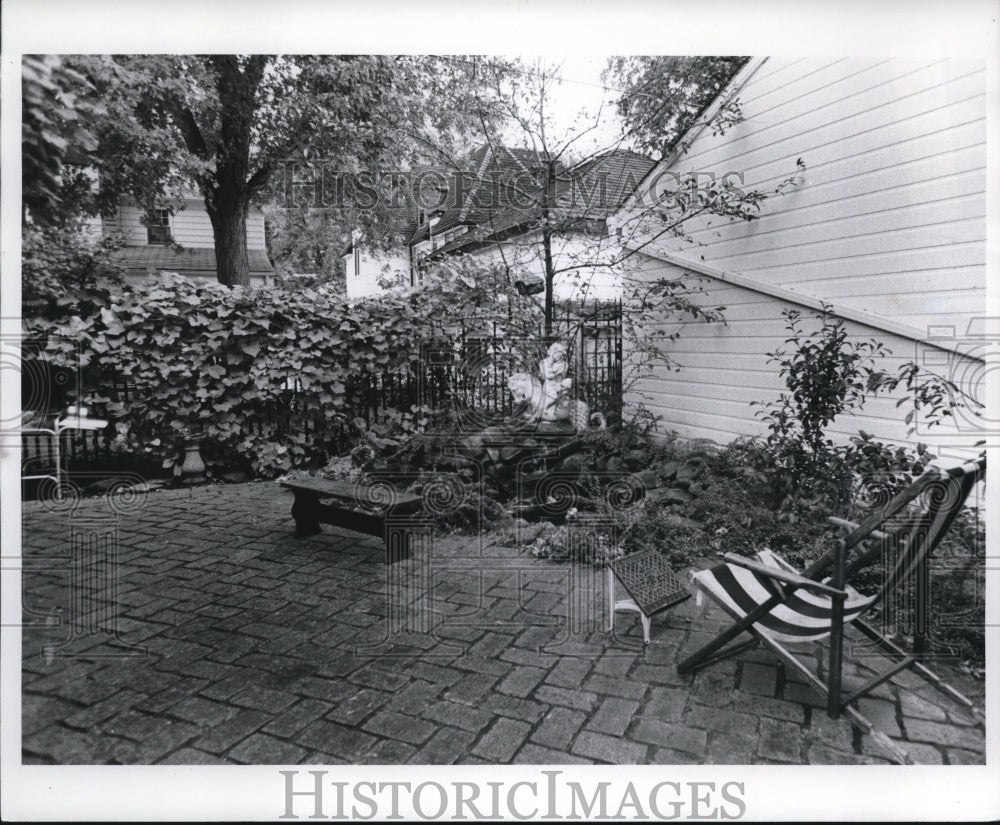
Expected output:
(828, 374)
(458, 505)
(223, 362)
(680, 539)
(634, 434)
(567, 543)
(64, 273)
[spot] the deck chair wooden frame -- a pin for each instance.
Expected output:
(779, 606)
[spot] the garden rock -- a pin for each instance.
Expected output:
(527, 533)
(234, 477)
(670, 495)
(102, 486)
(616, 464)
(572, 463)
(510, 453)
(634, 459)
(668, 469)
(688, 472)
(648, 479)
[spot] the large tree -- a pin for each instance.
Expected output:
(662, 96)
(60, 112)
(231, 125)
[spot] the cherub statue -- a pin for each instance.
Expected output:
(555, 385)
(548, 399)
(526, 388)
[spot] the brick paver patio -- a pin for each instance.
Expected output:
(240, 644)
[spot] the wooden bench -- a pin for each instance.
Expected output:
(376, 510)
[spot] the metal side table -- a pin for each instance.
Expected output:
(651, 584)
(75, 419)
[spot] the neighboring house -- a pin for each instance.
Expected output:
(181, 241)
(583, 250)
(367, 269)
(495, 212)
(887, 226)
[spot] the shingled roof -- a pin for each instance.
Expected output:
(499, 193)
(494, 179)
(589, 191)
(184, 260)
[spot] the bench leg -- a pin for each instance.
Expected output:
(305, 511)
(398, 542)
(611, 599)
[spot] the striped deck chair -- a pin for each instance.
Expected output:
(780, 607)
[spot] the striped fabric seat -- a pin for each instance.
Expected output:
(777, 606)
(801, 617)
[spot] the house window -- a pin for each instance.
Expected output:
(357, 262)
(158, 226)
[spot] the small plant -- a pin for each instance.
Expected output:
(566, 543)
(342, 468)
(828, 374)
(456, 505)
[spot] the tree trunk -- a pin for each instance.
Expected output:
(547, 245)
(229, 226)
(227, 199)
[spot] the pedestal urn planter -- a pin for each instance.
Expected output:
(193, 467)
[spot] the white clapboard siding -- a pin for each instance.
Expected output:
(894, 211)
(372, 268)
(832, 111)
(255, 230)
(725, 367)
(190, 226)
(889, 217)
(128, 223)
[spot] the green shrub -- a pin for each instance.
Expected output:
(681, 540)
(827, 374)
(565, 543)
(269, 376)
(64, 273)
(457, 505)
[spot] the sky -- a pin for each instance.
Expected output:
(580, 104)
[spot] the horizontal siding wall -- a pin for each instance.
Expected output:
(371, 271)
(189, 227)
(525, 255)
(192, 227)
(724, 367)
(891, 216)
(255, 230)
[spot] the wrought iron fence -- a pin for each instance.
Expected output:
(468, 372)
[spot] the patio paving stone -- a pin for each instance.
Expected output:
(558, 728)
(609, 749)
(500, 742)
(264, 649)
(613, 716)
(444, 747)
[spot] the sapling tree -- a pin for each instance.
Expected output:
(550, 200)
(828, 374)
